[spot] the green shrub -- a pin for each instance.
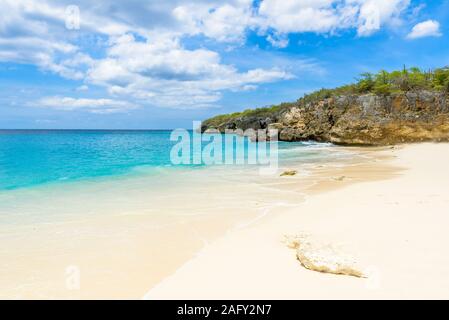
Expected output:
(441, 79)
(366, 83)
(381, 83)
(259, 112)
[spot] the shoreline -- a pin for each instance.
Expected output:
(179, 240)
(380, 218)
(125, 238)
(126, 235)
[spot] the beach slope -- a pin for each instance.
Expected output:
(395, 229)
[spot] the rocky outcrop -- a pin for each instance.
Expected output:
(324, 258)
(358, 119)
(243, 123)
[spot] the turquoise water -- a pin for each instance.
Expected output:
(32, 158)
(113, 200)
(29, 158)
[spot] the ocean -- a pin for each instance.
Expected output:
(112, 207)
(30, 158)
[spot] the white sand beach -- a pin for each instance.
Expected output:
(219, 233)
(393, 222)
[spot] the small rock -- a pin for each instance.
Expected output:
(324, 258)
(289, 173)
(339, 178)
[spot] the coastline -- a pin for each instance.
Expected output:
(224, 151)
(393, 221)
(125, 235)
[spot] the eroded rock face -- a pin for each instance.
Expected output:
(361, 119)
(250, 123)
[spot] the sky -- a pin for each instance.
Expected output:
(139, 64)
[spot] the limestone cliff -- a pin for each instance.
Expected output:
(366, 119)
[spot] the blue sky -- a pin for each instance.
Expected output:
(156, 65)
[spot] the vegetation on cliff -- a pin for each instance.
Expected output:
(258, 113)
(387, 83)
(381, 83)
(383, 108)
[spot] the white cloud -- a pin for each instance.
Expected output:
(142, 63)
(329, 16)
(33, 32)
(373, 14)
(161, 72)
(90, 105)
(429, 28)
(226, 23)
(40, 52)
(288, 16)
(142, 56)
(278, 40)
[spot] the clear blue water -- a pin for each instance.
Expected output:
(32, 158)
(29, 158)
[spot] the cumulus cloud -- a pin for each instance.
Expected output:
(226, 22)
(429, 28)
(34, 33)
(373, 14)
(162, 72)
(288, 16)
(90, 105)
(140, 52)
(329, 16)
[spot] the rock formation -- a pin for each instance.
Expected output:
(366, 119)
(322, 258)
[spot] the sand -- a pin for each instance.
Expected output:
(115, 238)
(391, 216)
